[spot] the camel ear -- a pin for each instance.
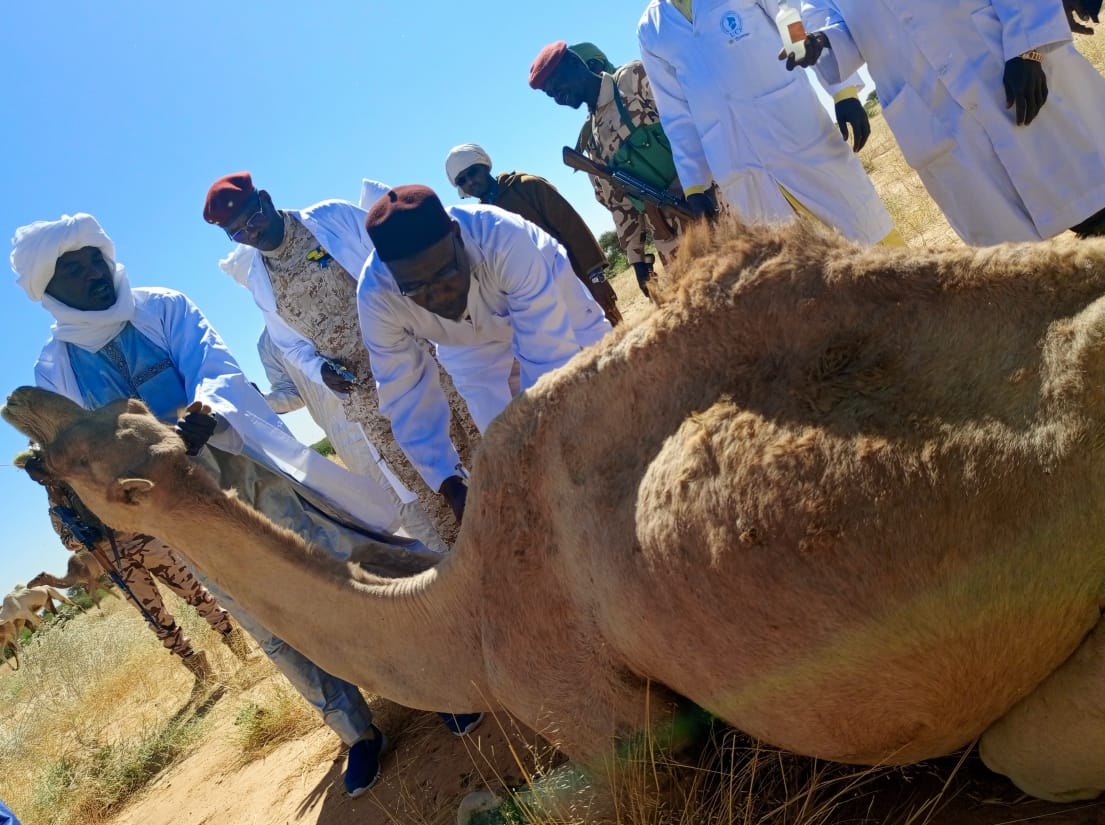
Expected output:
(131, 490)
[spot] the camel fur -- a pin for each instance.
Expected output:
(83, 571)
(848, 500)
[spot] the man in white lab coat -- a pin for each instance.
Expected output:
(489, 289)
(1002, 118)
(734, 115)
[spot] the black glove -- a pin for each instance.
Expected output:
(815, 44)
(456, 493)
(1026, 87)
(337, 381)
(850, 112)
(1086, 10)
(196, 427)
(643, 272)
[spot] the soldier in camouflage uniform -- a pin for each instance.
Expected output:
(137, 559)
(572, 82)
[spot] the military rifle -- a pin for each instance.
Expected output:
(632, 186)
(90, 535)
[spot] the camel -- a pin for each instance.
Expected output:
(20, 608)
(22, 605)
(83, 571)
(857, 513)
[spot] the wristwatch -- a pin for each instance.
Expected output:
(597, 276)
(1033, 54)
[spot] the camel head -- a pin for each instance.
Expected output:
(40, 415)
(116, 458)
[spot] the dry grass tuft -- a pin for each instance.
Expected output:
(279, 715)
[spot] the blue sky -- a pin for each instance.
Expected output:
(128, 110)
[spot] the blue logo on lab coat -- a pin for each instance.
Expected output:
(733, 26)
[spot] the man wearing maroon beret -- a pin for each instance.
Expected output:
(491, 290)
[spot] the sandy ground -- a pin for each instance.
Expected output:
(427, 770)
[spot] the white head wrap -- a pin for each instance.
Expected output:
(460, 158)
(371, 191)
(236, 264)
(36, 248)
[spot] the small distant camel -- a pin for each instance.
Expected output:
(84, 571)
(20, 609)
(22, 604)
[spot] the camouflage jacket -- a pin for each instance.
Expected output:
(603, 135)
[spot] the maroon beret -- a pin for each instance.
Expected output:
(226, 197)
(546, 62)
(407, 220)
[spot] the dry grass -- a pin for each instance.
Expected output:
(279, 715)
(98, 709)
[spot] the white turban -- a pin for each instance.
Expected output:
(371, 191)
(37, 246)
(460, 158)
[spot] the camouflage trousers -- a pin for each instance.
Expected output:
(138, 560)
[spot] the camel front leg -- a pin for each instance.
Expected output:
(1052, 743)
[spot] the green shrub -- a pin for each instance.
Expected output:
(615, 257)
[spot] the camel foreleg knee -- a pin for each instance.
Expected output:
(1052, 743)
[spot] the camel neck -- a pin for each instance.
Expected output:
(416, 635)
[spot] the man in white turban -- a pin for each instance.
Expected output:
(468, 167)
(111, 341)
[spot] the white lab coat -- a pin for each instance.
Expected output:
(735, 115)
(339, 226)
(211, 375)
(525, 303)
(938, 66)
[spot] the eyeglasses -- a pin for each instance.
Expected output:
(450, 271)
(252, 225)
